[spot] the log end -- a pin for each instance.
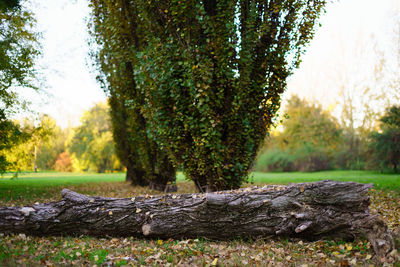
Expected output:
(378, 234)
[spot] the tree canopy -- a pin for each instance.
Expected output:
(22, 154)
(308, 123)
(18, 51)
(6, 5)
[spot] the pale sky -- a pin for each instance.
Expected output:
(340, 54)
(71, 86)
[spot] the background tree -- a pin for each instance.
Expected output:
(11, 135)
(91, 144)
(116, 30)
(308, 123)
(18, 51)
(309, 138)
(213, 72)
(48, 149)
(386, 144)
(23, 156)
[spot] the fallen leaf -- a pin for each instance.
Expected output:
(394, 252)
(22, 236)
(344, 263)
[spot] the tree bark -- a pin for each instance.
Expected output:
(326, 209)
(135, 174)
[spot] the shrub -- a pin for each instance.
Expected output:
(212, 73)
(275, 160)
(347, 159)
(304, 159)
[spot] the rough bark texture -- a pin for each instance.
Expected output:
(325, 209)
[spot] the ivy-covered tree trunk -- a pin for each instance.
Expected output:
(311, 211)
(145, 163)
(124, 142)
(135, 175)
(129, 174)
(115, 30)
(164, 173)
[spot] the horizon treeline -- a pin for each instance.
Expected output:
(307, 139)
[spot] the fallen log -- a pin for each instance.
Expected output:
(326, 209)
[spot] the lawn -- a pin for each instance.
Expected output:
(49, 178)
(17, 250)
(380, 180)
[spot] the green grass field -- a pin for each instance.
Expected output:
(28, 188)
(45, 179)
